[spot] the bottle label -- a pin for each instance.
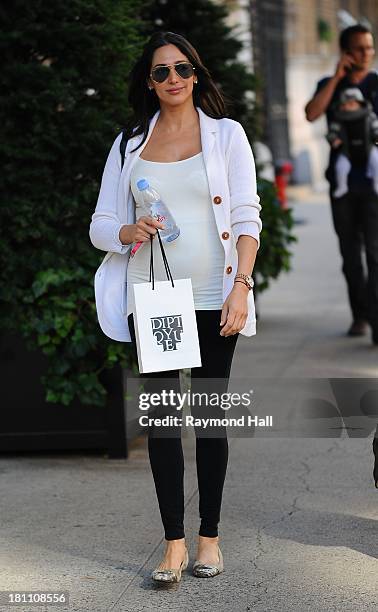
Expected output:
(160, 218)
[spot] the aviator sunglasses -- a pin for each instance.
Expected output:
(183, 69)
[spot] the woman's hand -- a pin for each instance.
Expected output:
(235, 310)
(139, 231)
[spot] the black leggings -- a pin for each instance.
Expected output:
(166, 454)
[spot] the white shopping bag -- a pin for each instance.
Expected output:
(165, 323)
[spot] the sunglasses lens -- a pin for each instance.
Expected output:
(160, 73)
(184, 70)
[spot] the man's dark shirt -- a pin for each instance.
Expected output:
(369, 88)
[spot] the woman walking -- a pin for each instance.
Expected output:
(201, 164)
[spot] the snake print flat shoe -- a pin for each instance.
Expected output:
(170, 575)
(204, 570)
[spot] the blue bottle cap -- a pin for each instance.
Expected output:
(142, 184)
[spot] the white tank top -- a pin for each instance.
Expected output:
(197, 253)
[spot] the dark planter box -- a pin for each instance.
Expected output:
(29, 423)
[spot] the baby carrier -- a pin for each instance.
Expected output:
(356, 141)
(357, 129)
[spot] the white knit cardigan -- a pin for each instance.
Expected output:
(231, 175)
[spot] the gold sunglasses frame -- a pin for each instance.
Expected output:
(170, 66)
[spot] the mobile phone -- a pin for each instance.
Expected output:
(352, 67)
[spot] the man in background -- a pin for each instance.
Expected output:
(355, 214)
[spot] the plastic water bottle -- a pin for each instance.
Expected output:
(155, 205)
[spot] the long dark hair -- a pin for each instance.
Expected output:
(145, 102)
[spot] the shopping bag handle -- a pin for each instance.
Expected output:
(165, 260)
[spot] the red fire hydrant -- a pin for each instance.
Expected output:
(284, 169)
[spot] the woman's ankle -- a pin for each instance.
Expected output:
(209, 539)
(175, 543)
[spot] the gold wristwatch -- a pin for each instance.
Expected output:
(244, 278)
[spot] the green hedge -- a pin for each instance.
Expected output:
(274, 253)
(62, 102)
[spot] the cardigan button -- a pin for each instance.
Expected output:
(217, 200)
(229, 269)
(225, 235)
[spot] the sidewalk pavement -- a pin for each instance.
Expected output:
(299, 515)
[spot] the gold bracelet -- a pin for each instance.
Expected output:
(241, 275)
(244, 283)
(246, 278)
